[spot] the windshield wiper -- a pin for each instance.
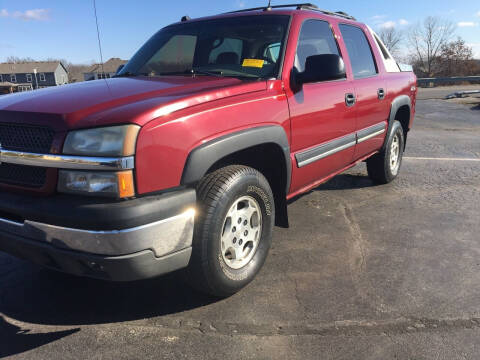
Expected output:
(217, 73)
(193, 72)
(223, 73)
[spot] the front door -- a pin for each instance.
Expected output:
(323, 124)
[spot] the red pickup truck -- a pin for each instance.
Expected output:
(187, 157)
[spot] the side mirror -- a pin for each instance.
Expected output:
(120, 68)
(323, 67)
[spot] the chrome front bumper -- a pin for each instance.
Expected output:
(117, 255)
(162, 237)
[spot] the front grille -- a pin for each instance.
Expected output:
(25, 138)
(28, 138)
(20, 175)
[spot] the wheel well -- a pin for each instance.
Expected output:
(403, 116)
(268, 159)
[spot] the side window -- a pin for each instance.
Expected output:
(316, 38)
(228, 51)
(359, 51)
(272, 52)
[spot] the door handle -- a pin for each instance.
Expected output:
(381, 94)
(350, 99)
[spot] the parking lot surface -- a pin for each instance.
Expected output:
(441, 91)
(364, 272)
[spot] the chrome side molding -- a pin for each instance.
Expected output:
(334, 146)
(324, 150)
(370, 132)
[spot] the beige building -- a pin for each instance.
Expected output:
(109, 69)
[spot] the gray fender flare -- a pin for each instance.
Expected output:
(397, 103)
(206, 155)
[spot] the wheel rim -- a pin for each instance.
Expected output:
(242, 229)
(395, 155)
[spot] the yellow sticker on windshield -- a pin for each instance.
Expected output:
(253, 63)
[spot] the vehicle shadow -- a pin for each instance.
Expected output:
(351, 181)
(15, 340)
(40, 296)
(347, 182)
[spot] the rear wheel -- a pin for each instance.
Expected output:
(385, 166)
(233, 230)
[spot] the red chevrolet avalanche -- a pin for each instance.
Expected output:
(187, 157)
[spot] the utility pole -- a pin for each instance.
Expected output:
(36, 80)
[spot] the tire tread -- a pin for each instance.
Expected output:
(209, 191)
(378, 167)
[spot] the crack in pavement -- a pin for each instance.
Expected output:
(358, 262)
(354, 228)
(346, 328)
(295, 283)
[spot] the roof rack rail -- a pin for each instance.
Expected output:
(268, 8)
(341, 14)
(302, 6)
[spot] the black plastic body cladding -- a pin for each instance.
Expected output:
(202, 158)
(396, 104)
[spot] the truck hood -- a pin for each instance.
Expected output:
(105, 102)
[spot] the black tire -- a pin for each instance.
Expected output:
(378, 166)
(217, 193)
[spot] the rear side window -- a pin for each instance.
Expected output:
(359, 51)
(316, 38)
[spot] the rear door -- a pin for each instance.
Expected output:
(323, 126)
(370, 91)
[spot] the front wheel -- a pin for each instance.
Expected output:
(385, 166)
(233, 230)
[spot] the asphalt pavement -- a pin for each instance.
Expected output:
(364, 272)
(441, 92)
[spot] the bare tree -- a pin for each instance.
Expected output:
(18, 60)
(426, 40)
(75, 72)
(457, 59)
(392, 38)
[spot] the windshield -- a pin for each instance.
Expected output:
(244, 47)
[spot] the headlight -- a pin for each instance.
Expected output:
(99, 183)
(107, 141)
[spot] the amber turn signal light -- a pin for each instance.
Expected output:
(126, 187)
